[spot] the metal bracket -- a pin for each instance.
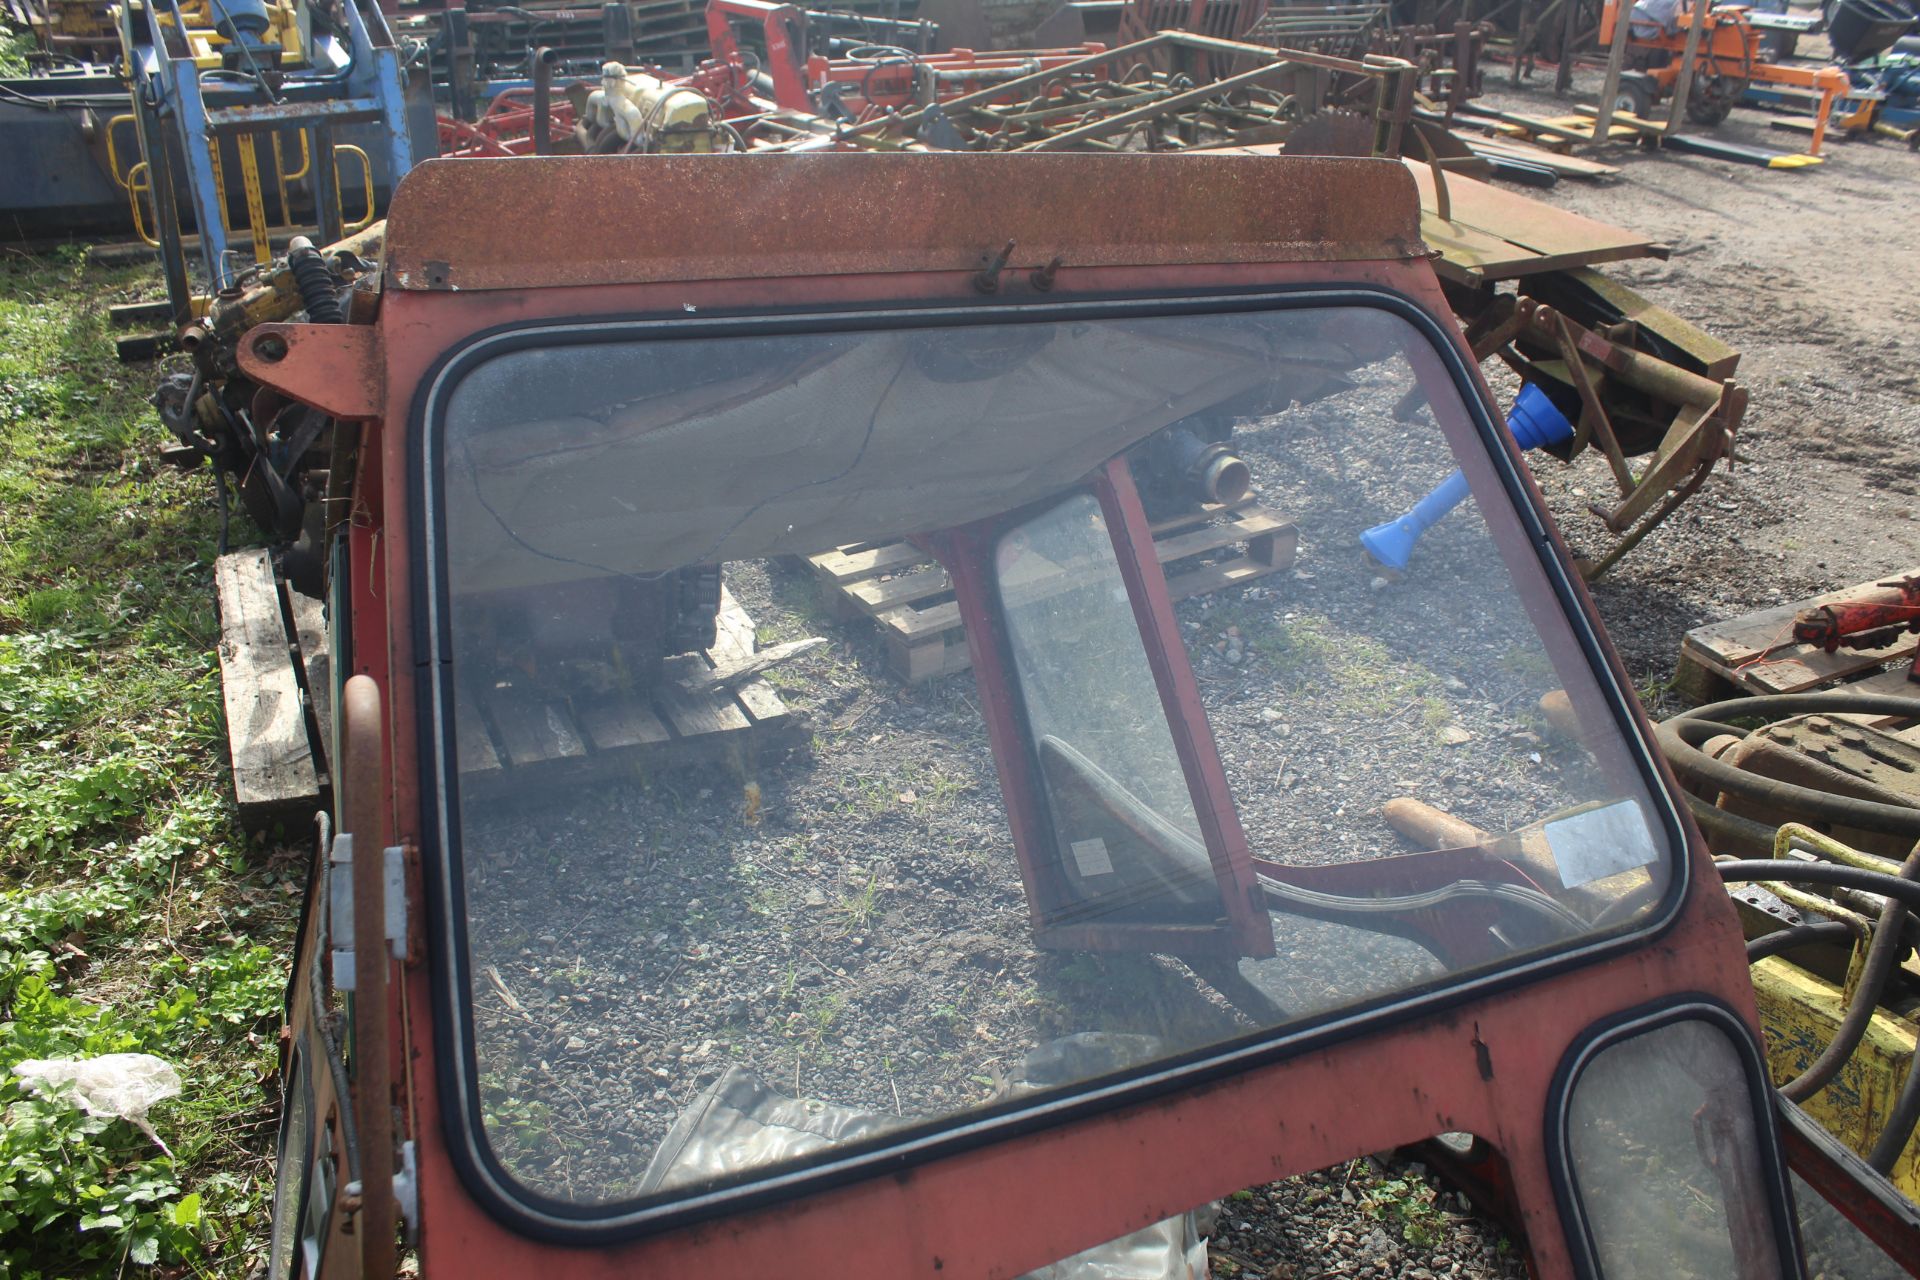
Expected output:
(336, 368)
(340, 906)
(340, 910)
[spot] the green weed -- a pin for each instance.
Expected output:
(132, 916)
(858, 907)
(1408, 1205)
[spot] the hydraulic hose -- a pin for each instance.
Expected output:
(1681, 736)
(1798, 935)
(1717, 821)
(1882, 954)
(315, 282)
(1739, 869)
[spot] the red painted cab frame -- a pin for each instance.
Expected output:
(1077, 1172)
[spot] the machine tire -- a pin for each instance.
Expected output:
(1637, 94)
(1711, 107)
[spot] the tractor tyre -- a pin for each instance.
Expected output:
(1637, 94)
(1715, 102)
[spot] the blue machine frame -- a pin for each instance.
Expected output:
(184, 111)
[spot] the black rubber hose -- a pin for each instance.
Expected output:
(315, 283)
(1798, 935)
(1882, 954)
(1717, 821)
(1879, 882)
(1676, 738)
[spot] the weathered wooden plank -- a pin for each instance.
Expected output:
(1538, 237)
(1735, 640)
(273, 766)
(695, 714)
(1216, 577)
(736, 669)
(1756, 651)
(1897, 682)
(310, 628)
(843, 565)
(1255, 525)
(533, 729)
(734, 640)
(846, 567)
(620, 721)
(891, 593)
(473, 741)
(938, 655)
(911, 623)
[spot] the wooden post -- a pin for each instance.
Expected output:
(1622, 11)
(1569, 36)
(1683, 85)
(1523, 39)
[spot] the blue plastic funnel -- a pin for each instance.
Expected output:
(1534, 423)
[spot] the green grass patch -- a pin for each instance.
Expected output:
(133, 916)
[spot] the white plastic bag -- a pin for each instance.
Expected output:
(117, 1084)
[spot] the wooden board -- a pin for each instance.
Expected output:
(1494, 234)
(912, 599)
(274, 777)
(1756, 652)
(1719, 359)
(1567, 166)
(515, 729)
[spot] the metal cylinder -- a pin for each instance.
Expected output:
(544, 60)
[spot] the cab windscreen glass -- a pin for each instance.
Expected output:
(713, 930)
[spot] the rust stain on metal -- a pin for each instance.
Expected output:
(649, 219)
(336, 368)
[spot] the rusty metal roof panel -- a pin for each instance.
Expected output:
(533, 222)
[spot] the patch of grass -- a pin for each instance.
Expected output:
(1652, 692)
(133, 916)
(858, 907)
(1363, 676)
(810, 1026)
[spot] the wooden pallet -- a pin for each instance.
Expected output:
(1756, 653)
(909, 596)
(275, 683)
(525, 732)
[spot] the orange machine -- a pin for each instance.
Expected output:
(1726, 59)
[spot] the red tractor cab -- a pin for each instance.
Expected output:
(633, 955)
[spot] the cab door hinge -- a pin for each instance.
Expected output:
(340, 906)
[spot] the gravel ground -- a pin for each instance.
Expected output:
(1815, 276)
(850, 924)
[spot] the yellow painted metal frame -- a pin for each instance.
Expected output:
(1801, 1012)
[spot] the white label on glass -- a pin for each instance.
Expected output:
(1600, 843)
(1091, 857)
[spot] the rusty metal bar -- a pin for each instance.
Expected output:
(1616, 59)
(1590, 398)
(1683, 82)
(965, 100)
(544, 60)
(1125, 119)
(1373, 63)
